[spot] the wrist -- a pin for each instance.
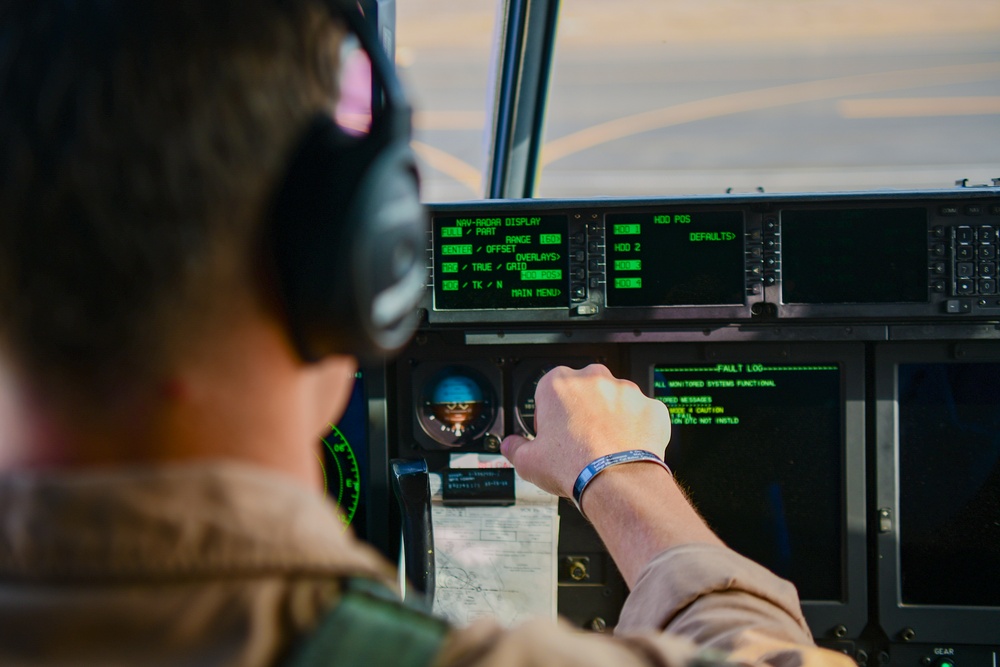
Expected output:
(600, 464)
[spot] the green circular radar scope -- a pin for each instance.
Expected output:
(341, 474)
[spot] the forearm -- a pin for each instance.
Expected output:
(639, 512)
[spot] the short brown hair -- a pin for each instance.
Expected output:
(139, 142)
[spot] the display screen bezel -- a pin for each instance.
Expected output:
(926, 622)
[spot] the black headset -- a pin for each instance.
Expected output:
(348, 231)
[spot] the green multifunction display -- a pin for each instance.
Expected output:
(690, 258)
(759, 447)
(511, 261)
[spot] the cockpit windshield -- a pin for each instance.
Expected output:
(700, 96)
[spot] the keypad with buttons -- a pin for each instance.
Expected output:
(974, 260)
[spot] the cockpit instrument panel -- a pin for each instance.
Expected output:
(829, 362)
(872, 256)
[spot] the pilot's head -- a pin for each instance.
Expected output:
(157, 162)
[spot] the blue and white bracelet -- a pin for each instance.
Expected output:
(599, 465)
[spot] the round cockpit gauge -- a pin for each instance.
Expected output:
(525, 408)
(457, 406)
(341, 474)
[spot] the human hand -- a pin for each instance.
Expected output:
(581, 415)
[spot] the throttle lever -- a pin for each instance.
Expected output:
(411, 485)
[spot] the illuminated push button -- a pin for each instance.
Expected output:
(973, 209)
(938, 268)
(987, 286)
(938, 250)
(948, 210)
(987, 252)
(986, 235)
(965, 269)
(938, 232)
(965, 254)
(987, 269)
(963, 235)
(937, 286)
(964, 286)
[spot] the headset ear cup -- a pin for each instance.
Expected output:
(348, 235)
(389, 262)
(348, 232)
